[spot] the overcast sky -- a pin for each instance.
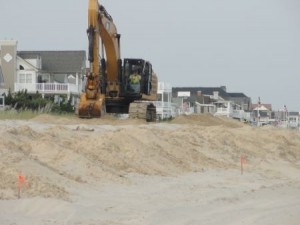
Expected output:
(250, 46)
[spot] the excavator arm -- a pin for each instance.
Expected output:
(100, 27)
(92, 101)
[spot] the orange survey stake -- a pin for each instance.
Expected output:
(21, 182)
(21, 179)
(243, 160)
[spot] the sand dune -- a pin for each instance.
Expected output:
(122, 171)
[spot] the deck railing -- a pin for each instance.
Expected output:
(48, 88)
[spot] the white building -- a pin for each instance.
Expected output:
(164, 106)
(46, 72)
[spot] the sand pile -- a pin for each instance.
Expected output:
(60, 156)
(66, 152)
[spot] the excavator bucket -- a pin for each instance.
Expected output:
(91, 108)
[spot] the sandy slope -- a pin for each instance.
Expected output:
(117, 171)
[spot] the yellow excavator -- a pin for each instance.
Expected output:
(114, 85)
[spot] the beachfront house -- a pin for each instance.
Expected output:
(47, 72)
(214, 100)
(262, 114)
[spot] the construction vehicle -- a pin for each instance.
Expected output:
(108, 86)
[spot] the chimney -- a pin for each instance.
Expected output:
(216, 95)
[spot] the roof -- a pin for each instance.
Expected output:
(204, 90)
(57, 61)
(267, 106)
(237, 95)
(293, 113)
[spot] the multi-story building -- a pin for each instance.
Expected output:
(214, 100)
(46, 72)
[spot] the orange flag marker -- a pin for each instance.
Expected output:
(243, 160)
(21, 182)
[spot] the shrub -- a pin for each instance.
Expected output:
(35, 102)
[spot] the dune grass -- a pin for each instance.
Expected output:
(27, 114)
(21, 115)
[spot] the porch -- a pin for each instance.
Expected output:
(49, 88)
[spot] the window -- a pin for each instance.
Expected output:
(22, 78)
(29, 78)
(159, 97)
(25, 78)
(43, 78)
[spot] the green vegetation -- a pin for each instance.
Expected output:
(23, 101)
(13, 114)
(165, 119)
(22, 105)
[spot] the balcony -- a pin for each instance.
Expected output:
(223, 112)
(49, 88)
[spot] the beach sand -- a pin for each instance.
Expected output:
(114, 171)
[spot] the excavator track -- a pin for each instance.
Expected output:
(142, 110)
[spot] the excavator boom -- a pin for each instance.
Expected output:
(92, 102)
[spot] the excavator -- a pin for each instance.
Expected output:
(109, 87)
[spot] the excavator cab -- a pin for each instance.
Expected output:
(137, 75)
